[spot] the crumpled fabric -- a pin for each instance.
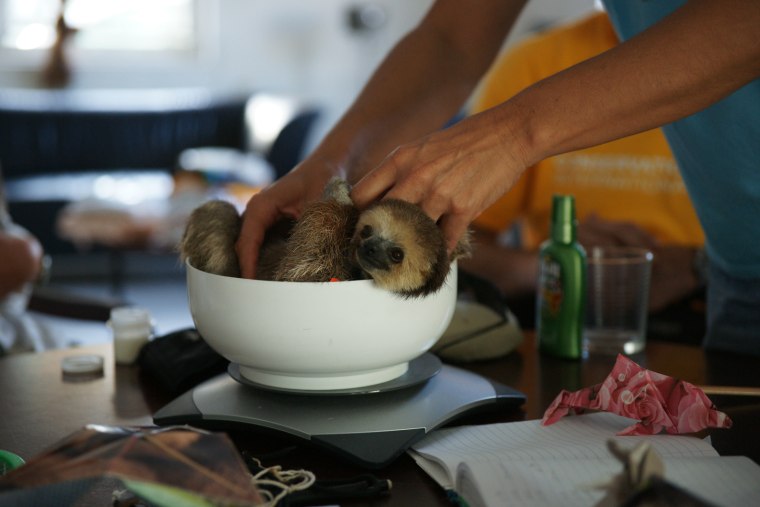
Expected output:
(659, 402)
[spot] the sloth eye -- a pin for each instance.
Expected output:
(396, 254)
(366, 232)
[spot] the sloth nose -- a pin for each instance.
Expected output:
(373, 252)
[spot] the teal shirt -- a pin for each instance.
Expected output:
(718, 153)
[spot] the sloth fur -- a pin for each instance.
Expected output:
(392, 242)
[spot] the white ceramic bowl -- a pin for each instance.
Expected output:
(316, 336)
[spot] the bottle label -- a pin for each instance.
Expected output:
(550, 284)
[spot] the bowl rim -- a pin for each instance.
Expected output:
(366, 281)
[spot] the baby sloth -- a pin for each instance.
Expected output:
(392, 242)
(402, 249)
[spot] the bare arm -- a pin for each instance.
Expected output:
(421, 84)
(693, 58)
(513, 270)
(19, 261)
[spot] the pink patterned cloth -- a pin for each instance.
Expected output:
(659, 402)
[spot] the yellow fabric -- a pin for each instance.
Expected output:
(634, 179)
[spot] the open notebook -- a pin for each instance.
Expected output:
(524, 463)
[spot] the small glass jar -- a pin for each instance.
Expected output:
(132, 328)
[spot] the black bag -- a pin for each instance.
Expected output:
(180, 360)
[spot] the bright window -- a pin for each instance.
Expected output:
(103, 25)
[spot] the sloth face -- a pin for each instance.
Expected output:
(400, 248)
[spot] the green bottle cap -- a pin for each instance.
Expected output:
(9, 461)
(563, 219)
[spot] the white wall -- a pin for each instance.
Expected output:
(299, 47)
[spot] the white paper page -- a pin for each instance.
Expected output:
(726, 481)
(583, 436)
(436, 469)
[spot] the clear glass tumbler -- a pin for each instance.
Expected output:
(617, 292)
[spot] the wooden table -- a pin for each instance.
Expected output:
(39, 406)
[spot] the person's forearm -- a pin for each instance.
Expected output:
(698, 55)
(421, 84)
(19, 263)
(513, 270)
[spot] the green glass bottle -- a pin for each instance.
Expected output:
(561, 294)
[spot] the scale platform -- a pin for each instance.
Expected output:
(370, 428)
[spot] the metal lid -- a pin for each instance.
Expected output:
(82, 364)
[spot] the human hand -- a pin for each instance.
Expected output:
(452, 174)
(284, 198)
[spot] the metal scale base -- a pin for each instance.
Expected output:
(370, 429)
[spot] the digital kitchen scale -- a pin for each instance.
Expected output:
(370, 426)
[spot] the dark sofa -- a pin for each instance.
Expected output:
(51, 133)
(43, 132)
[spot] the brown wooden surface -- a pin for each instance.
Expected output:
(40, 406)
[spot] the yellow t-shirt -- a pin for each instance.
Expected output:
(634, 179)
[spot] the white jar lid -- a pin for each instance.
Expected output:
(82, 364)
(129, 316)
(130, 320)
